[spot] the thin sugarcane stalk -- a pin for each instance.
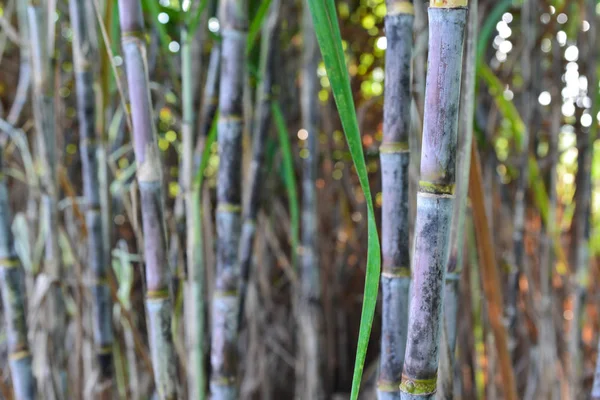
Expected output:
(24, 66)
(395, 161)
(489, 275)
(149, 177)
(583, 197)
(195, 298)
(13, 297)
(528, 17)
(261, 126)
(43, 83)
(435, 198)
(310, 382)
(83, 55)
(457, 229)
(225, 303)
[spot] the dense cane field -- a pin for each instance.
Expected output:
(299, 199)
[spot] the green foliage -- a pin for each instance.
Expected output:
(288, 176)
(330, 41)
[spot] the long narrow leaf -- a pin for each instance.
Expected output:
(289, 176)
(256, 24)
(330, 42)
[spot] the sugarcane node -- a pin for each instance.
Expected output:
(396, 272)
(436, 188)
(230, 118)
(448, 3)
(229, 208)
(149, 170)
(19, 355)
(223, 380)
(394, 148)
(220, 294)
(418, 387)
(104, 350)
(11, 262)
(129, 36)
(401, 7)
(157, 294)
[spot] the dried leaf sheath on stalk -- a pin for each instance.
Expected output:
(149, 176)
(225, 304)
(83, 55)
(395, 160)
(12, 286)
(435, 198)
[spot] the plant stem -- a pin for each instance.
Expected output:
(83, 55)
(457, 229)
(435, 198)
(226, 291)
(13, 297)
(395, 161)
(43, 84)
(149, 177)
(309, 374)
(261, 126)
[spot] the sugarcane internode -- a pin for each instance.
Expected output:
(435, 198)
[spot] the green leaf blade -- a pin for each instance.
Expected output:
(330, 42)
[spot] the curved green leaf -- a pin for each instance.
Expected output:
(327, 29)
(288, 176)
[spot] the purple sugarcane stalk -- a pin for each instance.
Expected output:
(395, 161)
(225, 303)
(149, 177)
(435, 199)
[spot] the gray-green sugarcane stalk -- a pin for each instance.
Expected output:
(457, 229)
(262, 124)
(83, 55)
(225, 303)
(13, 298)
(310, 314)
(43, 107)
(149, 177)
(195, 297)
(583, 197)
(435, 198)
(395, 161)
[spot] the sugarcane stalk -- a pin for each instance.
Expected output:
(210, 101)
(12, 285)
(43, 108)
(457, 228)
(149, 177)
(83, 55)
(195, 297)
(435, 198)
(261, 127)
(310, 382)
(395, 161)
(24, 66)
(225, 303)
(582, 216)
